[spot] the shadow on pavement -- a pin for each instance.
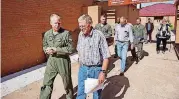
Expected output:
(111, 63)
(144, 54)
(74, 96)
(115, 87)
(129, 62)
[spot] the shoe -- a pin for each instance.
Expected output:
(137, 60)
(121, 74)
(115, 56)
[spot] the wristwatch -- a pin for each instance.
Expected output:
(104, 71)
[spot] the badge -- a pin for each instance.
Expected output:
(50, 38)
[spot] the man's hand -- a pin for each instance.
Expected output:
(54, 50)
(101, 77)
(50, 50)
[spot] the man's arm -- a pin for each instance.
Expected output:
(116, 33)
(96, 27)
(144, 33)
(133, 28)
(131, 36)
(45, 44)
(68, 49)
(146, 25)
(152, 27)
(104, 50)
(110, 31)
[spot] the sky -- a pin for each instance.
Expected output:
(148, 4)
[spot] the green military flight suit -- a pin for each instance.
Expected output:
(58, 63)
(105, 29)
(139, 36)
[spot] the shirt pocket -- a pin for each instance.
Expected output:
(126, 33)
(50, 40)
(59, 42)
(105, 30)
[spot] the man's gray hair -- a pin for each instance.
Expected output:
(54, 15)
(85, 17)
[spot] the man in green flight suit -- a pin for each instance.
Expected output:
(139, 32)
(104, 27)
(57, 44)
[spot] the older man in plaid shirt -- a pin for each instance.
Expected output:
(93, 55)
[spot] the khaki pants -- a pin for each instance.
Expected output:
(139, 47)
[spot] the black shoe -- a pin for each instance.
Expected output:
(137, 60)
(115, 56)
(121, 74)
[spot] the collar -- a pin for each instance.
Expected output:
(123, 25)
(58, 32)
(138, 24)
(91, 33)
(103, 24)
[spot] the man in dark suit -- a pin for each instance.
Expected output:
(149, 27)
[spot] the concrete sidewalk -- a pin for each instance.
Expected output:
(155, 77)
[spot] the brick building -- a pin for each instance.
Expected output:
(177, 27)
(25, 21)
(157, 12)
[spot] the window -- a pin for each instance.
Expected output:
(158, 18)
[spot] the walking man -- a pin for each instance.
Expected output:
(57, 44)
(104, 27)
(139, 32)
(93, 55)
(123, 35)
(149, 27)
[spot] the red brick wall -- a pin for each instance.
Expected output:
(24, 21)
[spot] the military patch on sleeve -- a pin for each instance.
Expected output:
(50, 38)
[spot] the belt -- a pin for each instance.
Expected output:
(122, 41)
(92, 65)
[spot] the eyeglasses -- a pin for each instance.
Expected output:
(82, 26)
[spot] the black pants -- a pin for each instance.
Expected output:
(164, 42)
(115, 50)
(149, 34)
